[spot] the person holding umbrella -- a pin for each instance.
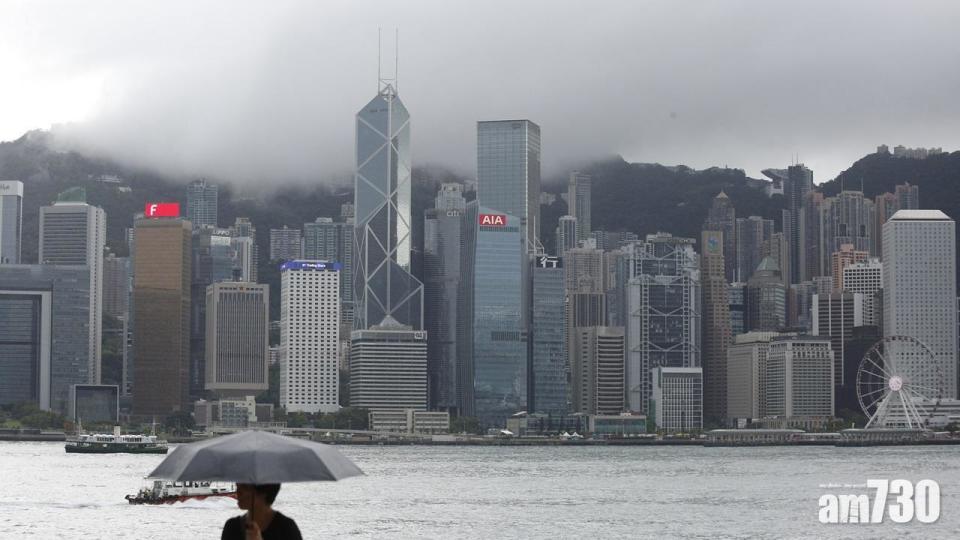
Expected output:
(258, 462)
(261, 521)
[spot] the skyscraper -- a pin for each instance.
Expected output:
(213, 259)
(11, 221)
(908, 196)
(446, 310)
(508, 172)
(676, 398)
(811, 237)
(161, 299)
(848, 218)
(450, 197)
(597, 370)
(244, 242)
(383, 285)
(766, 296)
(309, 336)
(73, 232)
(388, 368)
(663, 311)
(44, 343)
(723, 217)
(547, 389)
(716, 324)
(237, 338)
(799, 377)
(578, 202)
(799, 183)
(834, 316)
(285, 244)
(752, 232)
(567, 232)
(202, 203)
(866, 278)
(843, 257)
(499, 357)
(919, 298)
(329, 240)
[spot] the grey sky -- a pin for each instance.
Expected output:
(262, 91)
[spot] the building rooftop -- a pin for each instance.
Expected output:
(920, 215)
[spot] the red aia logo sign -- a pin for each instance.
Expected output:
(153, 210)
(493, 220)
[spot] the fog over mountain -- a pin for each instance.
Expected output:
(267, 92)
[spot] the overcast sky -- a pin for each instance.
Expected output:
(263, 91)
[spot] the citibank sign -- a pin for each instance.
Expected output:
(492, 220)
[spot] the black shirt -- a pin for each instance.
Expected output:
(280, 528)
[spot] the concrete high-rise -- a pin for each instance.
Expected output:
(508, 172)
(11, 221)
(445, 287)
(388, 368)
(161, 300)
(202, 203)
(919, 297)
(309, 336)
(597, 370)
(676, 399)
(73, 232)
(578, 202)
(866, 278)
(746, 374)
(844, 256)
(547, 378)
(118, 303)
(723, 217)
(799, 377)
(44, 335)
(383, 287)
(285, 244)
(237, 338)
(715, 314)
(663, 311)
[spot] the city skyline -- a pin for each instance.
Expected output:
(104, 95)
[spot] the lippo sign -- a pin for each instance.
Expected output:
(492, 220)
(154, 210)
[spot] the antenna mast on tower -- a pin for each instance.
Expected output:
(388, 84)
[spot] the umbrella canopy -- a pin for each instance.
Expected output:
(255, 457)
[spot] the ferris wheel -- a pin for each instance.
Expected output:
(899, 383)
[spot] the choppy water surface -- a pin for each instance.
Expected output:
(503, 492)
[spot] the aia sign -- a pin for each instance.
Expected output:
(492, 220)
(153, 210)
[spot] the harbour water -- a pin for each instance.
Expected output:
(496, 492)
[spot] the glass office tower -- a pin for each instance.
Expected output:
(383, 284)
(508, 171)
(499, 363)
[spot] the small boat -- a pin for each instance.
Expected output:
(115, 443)
(161, 492)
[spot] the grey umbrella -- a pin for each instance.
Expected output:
(255, 457)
